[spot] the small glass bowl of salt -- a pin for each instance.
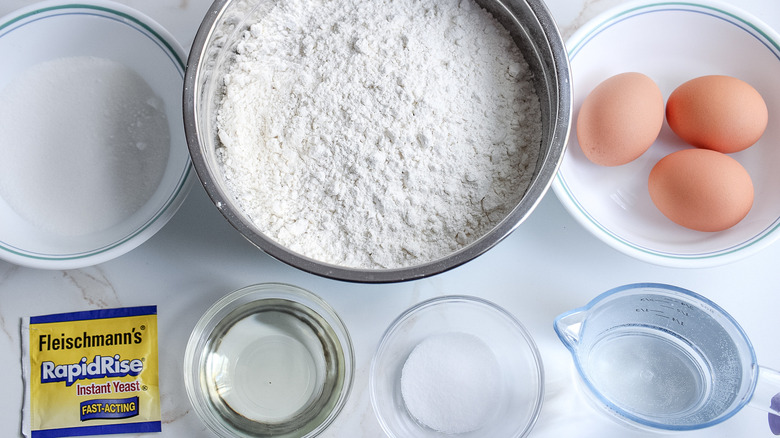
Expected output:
(456, 366)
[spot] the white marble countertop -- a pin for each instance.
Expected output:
(549, 265)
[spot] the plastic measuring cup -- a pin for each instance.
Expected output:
(663, 358)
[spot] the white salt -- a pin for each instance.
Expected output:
(451, 382)
(84, 143)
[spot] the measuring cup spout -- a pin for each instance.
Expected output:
(568, 327)
(767, 396)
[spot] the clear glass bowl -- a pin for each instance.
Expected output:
(269, 360)
(521, 378)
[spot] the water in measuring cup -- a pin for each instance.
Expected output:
(658, 377)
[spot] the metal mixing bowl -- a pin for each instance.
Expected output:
(534, 31)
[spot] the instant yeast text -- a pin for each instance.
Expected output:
(92, 372)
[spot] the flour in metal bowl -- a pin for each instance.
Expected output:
(377, 135)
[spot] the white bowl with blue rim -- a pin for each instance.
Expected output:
(52, 30)
(672, 42)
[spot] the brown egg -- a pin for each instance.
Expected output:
(701, 189)
(715, 112)
(620, 119)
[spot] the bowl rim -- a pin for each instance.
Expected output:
(149, 28)
(539, 186)
(398, 323)
(723, 256)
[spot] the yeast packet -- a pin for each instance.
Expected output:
(91, 373)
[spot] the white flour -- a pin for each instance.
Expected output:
(377, 134)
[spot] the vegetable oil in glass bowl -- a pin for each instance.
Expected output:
(269, 360)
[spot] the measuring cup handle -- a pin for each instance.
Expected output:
(767, 396)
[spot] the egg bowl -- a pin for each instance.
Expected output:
(699, 38)
(57, 33)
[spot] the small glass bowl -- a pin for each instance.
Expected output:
(521, 378)
(269, 360)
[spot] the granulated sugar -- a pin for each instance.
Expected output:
(84, 142)
(377, 134)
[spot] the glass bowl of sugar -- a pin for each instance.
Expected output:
(94, 156)
(456, 366)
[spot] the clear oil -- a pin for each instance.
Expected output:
(273, 368)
